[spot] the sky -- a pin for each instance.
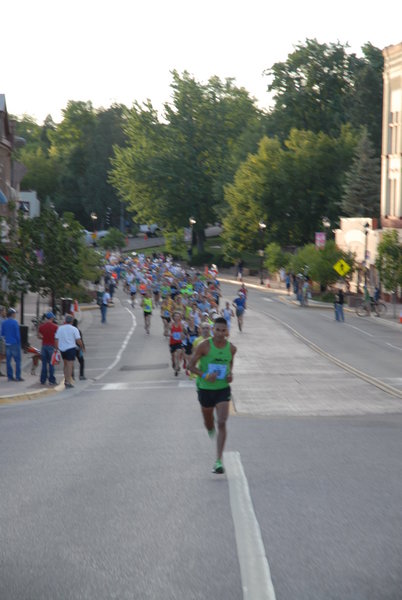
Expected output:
(123, 51)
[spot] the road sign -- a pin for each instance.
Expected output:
(341, 267)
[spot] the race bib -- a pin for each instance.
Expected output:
(176, 335)
(220, 370)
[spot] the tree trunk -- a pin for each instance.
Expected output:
(200, 241)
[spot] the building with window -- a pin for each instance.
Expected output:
(362, 235)
(391, 158)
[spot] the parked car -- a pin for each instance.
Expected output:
(150, 230)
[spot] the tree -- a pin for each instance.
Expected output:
(318, 264)
(175, 169)
(361, 197)
(113, 240)
(389, 262)
(275, 258)
(320, 87)
(289, 186)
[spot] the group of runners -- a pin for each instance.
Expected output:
(196, 327)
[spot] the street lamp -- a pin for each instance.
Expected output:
(261, 227)
(94, 218)
(192, 222)
(366, 230)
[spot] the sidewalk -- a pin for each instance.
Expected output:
(31, 388)
(275, 287)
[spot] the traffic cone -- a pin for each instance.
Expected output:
(400, 316)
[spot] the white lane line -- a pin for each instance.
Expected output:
(349, 325)
(392, 346)
(122, 347)
(254, 567)
(268, 300)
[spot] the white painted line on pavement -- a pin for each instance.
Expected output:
(268, 300)
(254, 567)
(392, 346)
(187, 384)
(122, 347)
(348, 325)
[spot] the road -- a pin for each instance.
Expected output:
(106, 490)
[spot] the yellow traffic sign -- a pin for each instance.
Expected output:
(341, 267)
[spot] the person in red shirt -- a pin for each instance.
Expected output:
(46, 332)
(176, 341)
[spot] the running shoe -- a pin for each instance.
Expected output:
(218, 467)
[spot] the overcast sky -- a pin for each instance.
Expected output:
(123, 50)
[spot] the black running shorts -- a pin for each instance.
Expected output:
(210, 398)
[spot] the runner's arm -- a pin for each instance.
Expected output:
(201, 350)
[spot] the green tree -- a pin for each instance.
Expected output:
(42, 173)
(321, 87)
(389, 262)
(113, 240)
(361, 196)
(289, 186)
(177, 168)
(275, 258)
(318, 264)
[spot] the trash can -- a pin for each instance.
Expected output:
(66, 305)
(24, 336)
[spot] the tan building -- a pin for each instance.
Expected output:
(391, 159)
(361, 235)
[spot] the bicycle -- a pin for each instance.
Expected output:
(363, 310)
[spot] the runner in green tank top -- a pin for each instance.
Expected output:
(214, 358)
(147, 306)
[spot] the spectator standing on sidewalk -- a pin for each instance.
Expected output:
(240, 267)
(3, 315)
(46, 333)
(80, 352)
(11, 332)
(67, 338)
(106, 299)
(339, 302)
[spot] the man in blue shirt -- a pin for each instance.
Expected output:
(11, 332)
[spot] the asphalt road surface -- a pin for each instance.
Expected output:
(107, 492)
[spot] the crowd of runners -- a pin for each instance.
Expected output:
(196, 325)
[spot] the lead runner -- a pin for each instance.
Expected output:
(214, 374)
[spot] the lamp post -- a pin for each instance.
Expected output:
(94, 218)
(192, 222)
(261, 228)
(326, 223)
(366, 230)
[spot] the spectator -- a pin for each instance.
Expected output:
(3, 315)
(106, 299)
(80, 352)
(11, 332)
(67, 338)
(46, 333)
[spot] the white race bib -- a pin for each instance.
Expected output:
(220, 370)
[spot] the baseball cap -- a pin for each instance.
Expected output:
(11, 311)
(49, 315)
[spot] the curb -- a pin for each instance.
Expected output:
(34, 395)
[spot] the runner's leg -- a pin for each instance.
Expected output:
(222, 413)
